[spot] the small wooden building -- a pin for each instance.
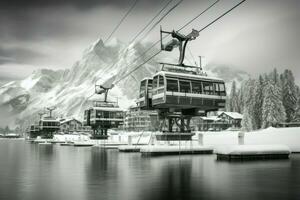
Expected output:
(72, 125)
(232, 118)
(219, 122)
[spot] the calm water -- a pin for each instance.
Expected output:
(33, 172)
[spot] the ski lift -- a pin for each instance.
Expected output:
(180, 92)
(103, 115)
(48, 126)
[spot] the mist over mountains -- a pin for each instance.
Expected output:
(71, 90)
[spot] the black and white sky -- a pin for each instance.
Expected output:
(256, 37)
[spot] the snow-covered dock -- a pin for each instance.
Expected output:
(45, 143)
(39, 140)
(159, 150)
(83, 144)
(252, 152)
(108, 146)
(130, 148)
(67, 144)
(56, 142)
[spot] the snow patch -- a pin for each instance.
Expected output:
(253, 149)
(29, 82)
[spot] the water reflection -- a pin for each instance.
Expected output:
(34, 172)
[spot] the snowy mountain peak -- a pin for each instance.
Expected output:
(70, 90)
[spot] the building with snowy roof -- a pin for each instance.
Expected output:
(232, 118)
(72, 125)
(221, 121)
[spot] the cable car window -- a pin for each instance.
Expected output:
(98, 113)
(142, 89)
(155, 80)
(172, 85)
(143, 85)
(208, 88)
(222, 89)
(196, 87)
(106, 114)
(119, 115)
(216, 89)
(149, 83)
(185, 86)
(161, 81)
(92, 113)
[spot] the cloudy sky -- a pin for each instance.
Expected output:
(256, 37)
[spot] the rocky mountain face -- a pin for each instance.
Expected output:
(228, 74)
(71, 91)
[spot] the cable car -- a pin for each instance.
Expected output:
(179, 92)
(48, 126)
(180, 96)
(187, 92)
(45, 127)
(103, 115)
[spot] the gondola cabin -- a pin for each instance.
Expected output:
(102, 117)
(48, 126)
(189, 93)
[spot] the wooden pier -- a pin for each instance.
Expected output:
(159, 150)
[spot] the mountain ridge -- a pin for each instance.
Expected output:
(68, 90)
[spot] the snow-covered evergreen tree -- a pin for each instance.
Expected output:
(232, 104)
(240, 98)
(249, 102)
(296, 117)
(258, 92)
(274, 76)
(273, 111)
(289, 94)
(247, 121)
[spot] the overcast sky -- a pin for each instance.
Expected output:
(256, 37)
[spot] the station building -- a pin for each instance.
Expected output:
(141, 120)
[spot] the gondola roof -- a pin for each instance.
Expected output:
(48, 119)
(108, 109)
(185, 75)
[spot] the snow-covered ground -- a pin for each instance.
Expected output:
(270, 136)
(70, 138)
(286, 136)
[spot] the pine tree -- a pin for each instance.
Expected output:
(296, 117)
(273, 111)
(258, 96)
(247, 121)
(250, 101)
(274, 76)
(240, 98)
(232, 104)
(289, 94)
